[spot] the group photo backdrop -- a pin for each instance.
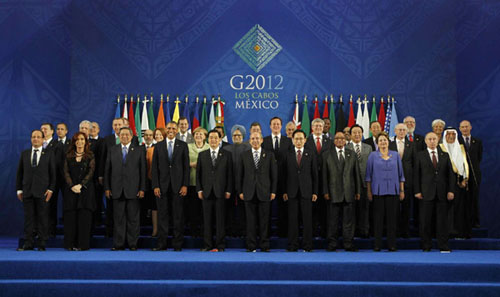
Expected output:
(67, 60)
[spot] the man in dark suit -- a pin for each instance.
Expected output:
(222, 143)
(474, 149)
(214, 181)
(434, 185)
(362, 151)
(342, 186)
(407, 152)
(375, 130)
(35, 183)
(170, 178)
(257, 184)
(279, 145)
(183, 133)
(301, 190)
(49, 143)
(416, 139)
(125, 183)
(318, 144)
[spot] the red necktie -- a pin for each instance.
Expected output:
(318, 145)
(299, 157)
(411, 138)
(434, 160)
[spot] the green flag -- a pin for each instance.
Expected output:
(333, 122)
(204, 115)
(373, 117)
(151, 116)
(138, 120)
(305, 123)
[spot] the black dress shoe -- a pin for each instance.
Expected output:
(159, 248)
(376, 249)
(291, 250)
(445, 250)
(41, 249)
(308, 250)
(24, 248)
(351, 249)
(77, 249)
(393, 249)
(133, 248)
(177, 249)
(117, 249)
(221, 250)
(251, 250)
(265, 250)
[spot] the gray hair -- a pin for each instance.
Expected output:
(318, 120)
(437, 122)
(85, 122)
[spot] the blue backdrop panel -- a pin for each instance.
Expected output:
(67, 61)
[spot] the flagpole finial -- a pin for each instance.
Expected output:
(374, 98)
(126, 98)
(305, 98)
(296, 97)
(186, 98)
(132, 98)
(365, 96)
(197, 99)
(388, 97)
(326, 97)
(161, 98)
(204, 99)
(118, 98)
(316, 97)
(340, 100)
(382, 100)
(145, 98)
(218, 97)
(350, 98)
(359, 100)
(393, 100)
(168, 98)
(151, 97)
(331, 98)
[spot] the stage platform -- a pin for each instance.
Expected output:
(101, 272)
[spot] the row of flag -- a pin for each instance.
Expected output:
(387, 115)
(141, 122)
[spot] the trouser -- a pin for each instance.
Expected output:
(404, 212)
(77, 226)
(211, 205)
(253, 208)
(427, 210)
(348, 225)
(163, 217)
(385, 206)
(126, 216)
(362, 214)
(305, 205)
(36, 211)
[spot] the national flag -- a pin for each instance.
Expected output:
(211, 118)
(138, 119)
(394, 120)
(351, 121)
(296, 114)
(196, 121)
(176, 115)
(365, 122)
(117, 111)
(388, 114)
(204, 116)
(306, 124)
(151, 115)
(341, 116)
(145, 119)
(219, 116)
(131, 119)
(373, 115)
(333, 122)
(325, 108)
(359, 113)
(168, 119)
(316, 109)
(186, 114)
(125, 109)
(381, 114)
(160, 120)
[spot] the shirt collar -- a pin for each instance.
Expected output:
(301, 149)
(214, 150)
(62, 139)
(128, 145)
(48, 140)
(338, 149)
(258, 151)
(430, 151)
(277, 135)
(34, 148)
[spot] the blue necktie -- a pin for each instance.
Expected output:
(170, 150)
(124, 152)
(33, 161)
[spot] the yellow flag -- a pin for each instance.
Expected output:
(176, 115)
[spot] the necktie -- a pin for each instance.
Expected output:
(183, 138)
(44, 145)
(411, 137)
(299, 157)
(318, 145)
(341, 157)
(124, 153)
(276, 143)
(256, 159)
(467, 142)
(214, 157)
(60, 141)
(434, 160)
(401, 148)
(170, 150)
(34, 161)
(358, 152)
(117, 140)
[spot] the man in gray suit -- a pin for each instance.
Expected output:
(184, 134)
(362, 151)
(341, 187)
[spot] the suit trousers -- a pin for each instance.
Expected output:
(213, 204)
(362, 214)
(77, 226)
(348, 223)
(262, 208)
(385, 206)
(163, 217)
(404, 212)
(126, 216)
(305, 205)
(427, 210)
(36, 211)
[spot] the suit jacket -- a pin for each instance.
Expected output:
(408, 161)
(189, 138)
(326, 145)
(52, 145)
(370, 142)
(217, 179)
(108, 142)
(419, 142)
(125, 178)
(166, 173)
(284, 147)
(260, 181)
(431, 182)
(474, 157)
(303, 177)
(34, 181)
(341, 183)
(366, 149)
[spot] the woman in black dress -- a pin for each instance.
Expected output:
(79, 202)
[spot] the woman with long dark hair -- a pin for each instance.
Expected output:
(78, 201)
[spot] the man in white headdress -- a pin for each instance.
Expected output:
(459, 216)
